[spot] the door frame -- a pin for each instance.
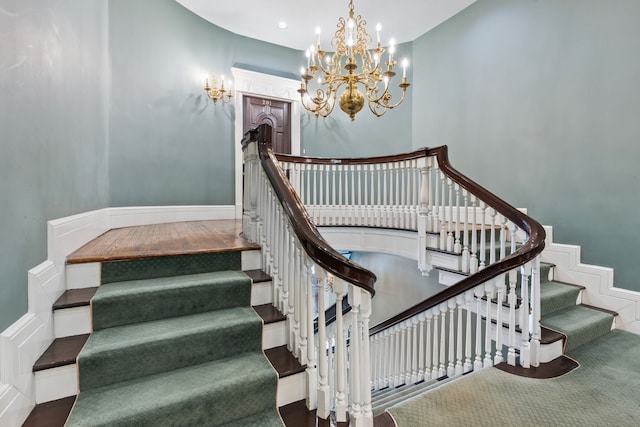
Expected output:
(262, 85)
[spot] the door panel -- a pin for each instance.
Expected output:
(258, 111)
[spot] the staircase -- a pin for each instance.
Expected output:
(174, 340)
(564, 319)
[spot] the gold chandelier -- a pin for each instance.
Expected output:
(351, 65)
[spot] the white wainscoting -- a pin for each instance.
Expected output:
(23, 342)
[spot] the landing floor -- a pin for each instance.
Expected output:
(176, 238)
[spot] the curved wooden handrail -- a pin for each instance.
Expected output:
(527, 252)
(313, 243)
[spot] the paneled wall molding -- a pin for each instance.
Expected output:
(25, 340)
(598, 281)
(252, 83)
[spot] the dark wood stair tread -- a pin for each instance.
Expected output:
(555, 368)
(50, 414)
(75, 298)
(269, 313)
(61, 352)
(283, 361)
(296, 414)
(258, 275)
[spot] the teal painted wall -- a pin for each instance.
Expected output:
(538, 100)
(169, 144)
(53, 127)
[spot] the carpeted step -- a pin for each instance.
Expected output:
(556, 296)
(132, 351)
(136, 301)
(580, 324)
(221, 392)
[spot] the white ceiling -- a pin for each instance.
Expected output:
(403, 20)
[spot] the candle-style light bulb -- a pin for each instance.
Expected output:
(318, 37)
(392, 49)
(378, 28)
(405, 63)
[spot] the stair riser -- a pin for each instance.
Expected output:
(292, 388)
(88, 275)
(274, 335)
(72, 321)
(56, 383)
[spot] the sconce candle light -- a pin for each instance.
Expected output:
(218, 93)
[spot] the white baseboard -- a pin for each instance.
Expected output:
(25, 340)
(598, 282)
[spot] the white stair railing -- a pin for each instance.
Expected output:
(489, 315)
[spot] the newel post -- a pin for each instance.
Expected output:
(250, 191)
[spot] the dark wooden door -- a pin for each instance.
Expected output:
(258, 111)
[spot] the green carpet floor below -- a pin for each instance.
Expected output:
(601, 392)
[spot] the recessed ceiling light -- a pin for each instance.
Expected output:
(282, 25)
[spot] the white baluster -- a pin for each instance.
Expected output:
(492, 243)
(324, 403)
(512, 299)
(443, 340)
(468, 300)
(488, 361)
(473, 263)
(483, 235)
(428, 364)
(312, 349)
(452, 338)
(449, 238)
(478, 294)
(354, 360)
(457, 247)
(414, 350)
(465, 250)
(499, 298)
(525, 353)
(535, 312)
(341, 354)
(443, 214)
(435, 373)
(459, 334)
(421, 347)
(403, 354)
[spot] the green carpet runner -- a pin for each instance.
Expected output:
(177, 351)
(559, 312)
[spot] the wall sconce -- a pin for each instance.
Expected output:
(218, 93)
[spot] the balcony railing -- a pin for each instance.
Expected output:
(491, 314)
